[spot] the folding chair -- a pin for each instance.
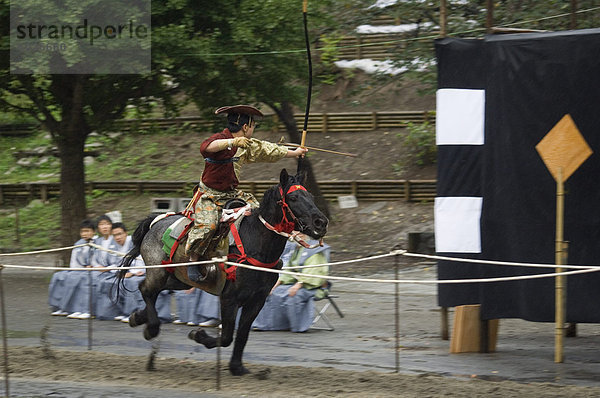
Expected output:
(321, 313)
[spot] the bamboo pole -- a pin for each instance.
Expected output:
(489, 20)
(443, 18)
(560, 279)
(573, 14)
(397, 313)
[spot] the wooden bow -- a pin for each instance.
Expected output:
(309, 59)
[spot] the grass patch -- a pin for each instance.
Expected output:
(39, 223)
(36, 227)
(12, 172)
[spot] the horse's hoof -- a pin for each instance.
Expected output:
(239, 370)
(151, 332)
(198, 335)
(133, 320)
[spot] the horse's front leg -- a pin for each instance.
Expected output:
(249, 313)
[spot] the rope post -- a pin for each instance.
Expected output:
(397, 313)
(17, 233)
(4, 335)
(218, 370)
(219, 331)
(90, 309)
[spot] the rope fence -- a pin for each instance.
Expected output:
(577, 269)
(574, 270)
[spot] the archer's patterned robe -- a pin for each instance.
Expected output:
(219, 184)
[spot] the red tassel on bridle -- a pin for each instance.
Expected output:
(286, 225)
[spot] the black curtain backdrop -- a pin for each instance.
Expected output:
(531, 82)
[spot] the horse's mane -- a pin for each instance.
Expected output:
(267, 204)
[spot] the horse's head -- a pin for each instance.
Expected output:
(299, 207)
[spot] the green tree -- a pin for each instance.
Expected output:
(70, 107)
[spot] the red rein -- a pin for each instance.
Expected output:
(285, 225)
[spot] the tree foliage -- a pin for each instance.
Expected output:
(70, 107)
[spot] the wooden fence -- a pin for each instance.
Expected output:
(18, 129)
(377, 46)
(363, 190)
(317, 123)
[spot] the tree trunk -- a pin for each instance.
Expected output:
(286, 115)
(72, 191)
(70, 144)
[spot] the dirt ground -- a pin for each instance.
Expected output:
(49, 356)
(178, 377)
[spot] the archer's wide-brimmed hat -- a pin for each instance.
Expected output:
(239, 109)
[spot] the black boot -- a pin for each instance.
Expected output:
(195, 271)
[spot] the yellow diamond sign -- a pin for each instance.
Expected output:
(563, 147)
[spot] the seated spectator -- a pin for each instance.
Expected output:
(78, 301)
(290, 305)
(195, 307)
(59, 291)
(107, 306)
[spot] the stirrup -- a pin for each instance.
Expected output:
(211, 273)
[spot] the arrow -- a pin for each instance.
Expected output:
(281, 142)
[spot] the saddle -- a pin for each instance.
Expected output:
(174, 241)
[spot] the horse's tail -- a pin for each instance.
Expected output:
(136, 238)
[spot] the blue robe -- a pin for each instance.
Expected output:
(62, 285)
(197, 306)
(78, 299)
(282, 312)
